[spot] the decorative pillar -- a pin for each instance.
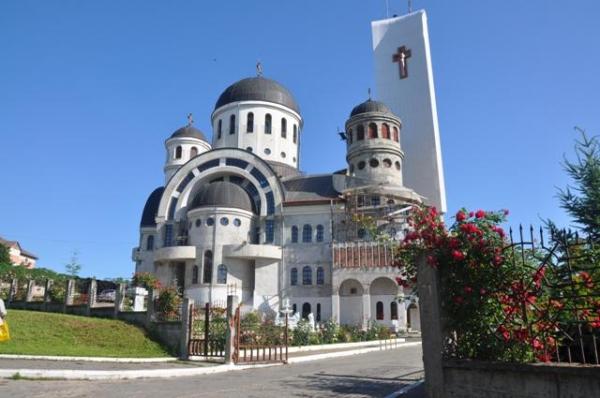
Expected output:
(30, 286)
(119, 296)
(92, 287)
(150, 308)
(232, 305)
(184, 336)
(70, 285)
(47, 287)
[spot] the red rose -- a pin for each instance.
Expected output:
(461, 216)
(480, 214)
(458, 255)
(468, 289)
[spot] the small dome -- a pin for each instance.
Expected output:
(222, 194)
(370, 106)
(151, 208)
(257, 89)
(189, 131)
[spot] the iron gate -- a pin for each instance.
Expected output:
(258, 341)
(208, 326)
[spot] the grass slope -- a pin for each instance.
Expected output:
(41, 333)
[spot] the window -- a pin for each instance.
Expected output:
(208, 265)
(169, 235)
(379, 311)
(249, 149)
(318, 317)
(305, 310)
(232, 124)
(294, 308)
(150, 243)
(219, 129)
(320, 233)
(394, 310)
(283, 127)
(349, 136)
(360, 133)
(198, 223)
(269, 231)
(210, 221)
(294, 278)
(237, 222)
(375, 201)
(361, 233)
(295, 136)
(374, 163)
(387, 163)
(294, 234)
(195, 274)
(361, 165)
(267, 151)
(250, 122)
(224, 221)
(268, 121)
(397, 164)
(307, 275)
(256, 237)
(306, 233)
(395, 130)
(283, 155)
(178, 152)
(372, 130)
(222, 274)
(193, 152)
(320, 276)
(385, 131)
(353, 290)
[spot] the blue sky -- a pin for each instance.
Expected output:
(89, 90)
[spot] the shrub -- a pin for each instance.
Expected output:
(168, 303)
(301, 334)
(329, 332)
(145, 280)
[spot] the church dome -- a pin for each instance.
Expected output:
(258, 89)
(222, 194)
(370, 106)
(189, 131)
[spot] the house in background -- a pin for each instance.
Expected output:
(19, 256)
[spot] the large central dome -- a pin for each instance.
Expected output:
(257, 89)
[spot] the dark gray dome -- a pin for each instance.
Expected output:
(258, 89)
(222, 194)
(189, 131)
(151, 208)
(370, 106)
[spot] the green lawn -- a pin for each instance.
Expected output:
(41, 333)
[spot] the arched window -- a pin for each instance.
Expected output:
(208, 266)
(372, 130)
(320, 276)
(385, 131)
(379, 311)
(307, 275)
(305, 310)
(295, 137)
(150, 243)
(320, 233)
(294, 277)
(195, 274)
(222, 274)
(349, 136)
(193, 152)
(178, 152)
(219, 129)
(394, 310)
(294, 234)
(318, 317)
(250, 123)
(294, 308)
(360, 132)
(268, 122)
(283, 127)
(232, 124)
(396, 137)
(306, 233)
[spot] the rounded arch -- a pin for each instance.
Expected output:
(351, 302)
(383, 286)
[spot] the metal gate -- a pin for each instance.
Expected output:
(259, 341)
(208, 326)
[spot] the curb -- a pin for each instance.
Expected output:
(168, 373)
(404, 390)
(335, 346)
(90, 359)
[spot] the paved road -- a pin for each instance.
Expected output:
(374, 374)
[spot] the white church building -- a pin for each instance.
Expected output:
(236, 215)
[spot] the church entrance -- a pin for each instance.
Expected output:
(351, 303)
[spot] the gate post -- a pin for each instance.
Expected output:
(47, 297)
(232, 304)
(119, 296)
(184, 338)
(431, 328)
(30, 286)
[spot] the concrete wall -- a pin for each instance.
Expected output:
(470, 379)
(168, 333)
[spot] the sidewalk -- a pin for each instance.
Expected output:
(81, 370)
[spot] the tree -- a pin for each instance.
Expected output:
(4, 255)
(73, 267)
(582, 199)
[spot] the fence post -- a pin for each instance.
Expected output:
(431, 328)
(232, 304)
(30, 286)
(91, 296)
(70, 284)
(150, 308)
(47, 287)
(119, 296)
(14, 283)
(184, 337)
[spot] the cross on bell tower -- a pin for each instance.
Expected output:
(402, 56)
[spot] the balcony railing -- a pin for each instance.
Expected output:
(362, 255)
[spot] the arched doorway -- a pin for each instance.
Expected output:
(305, 310)
(351, 305)
(413, 319)
(383, 293)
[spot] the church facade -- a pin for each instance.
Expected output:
(237, 216)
